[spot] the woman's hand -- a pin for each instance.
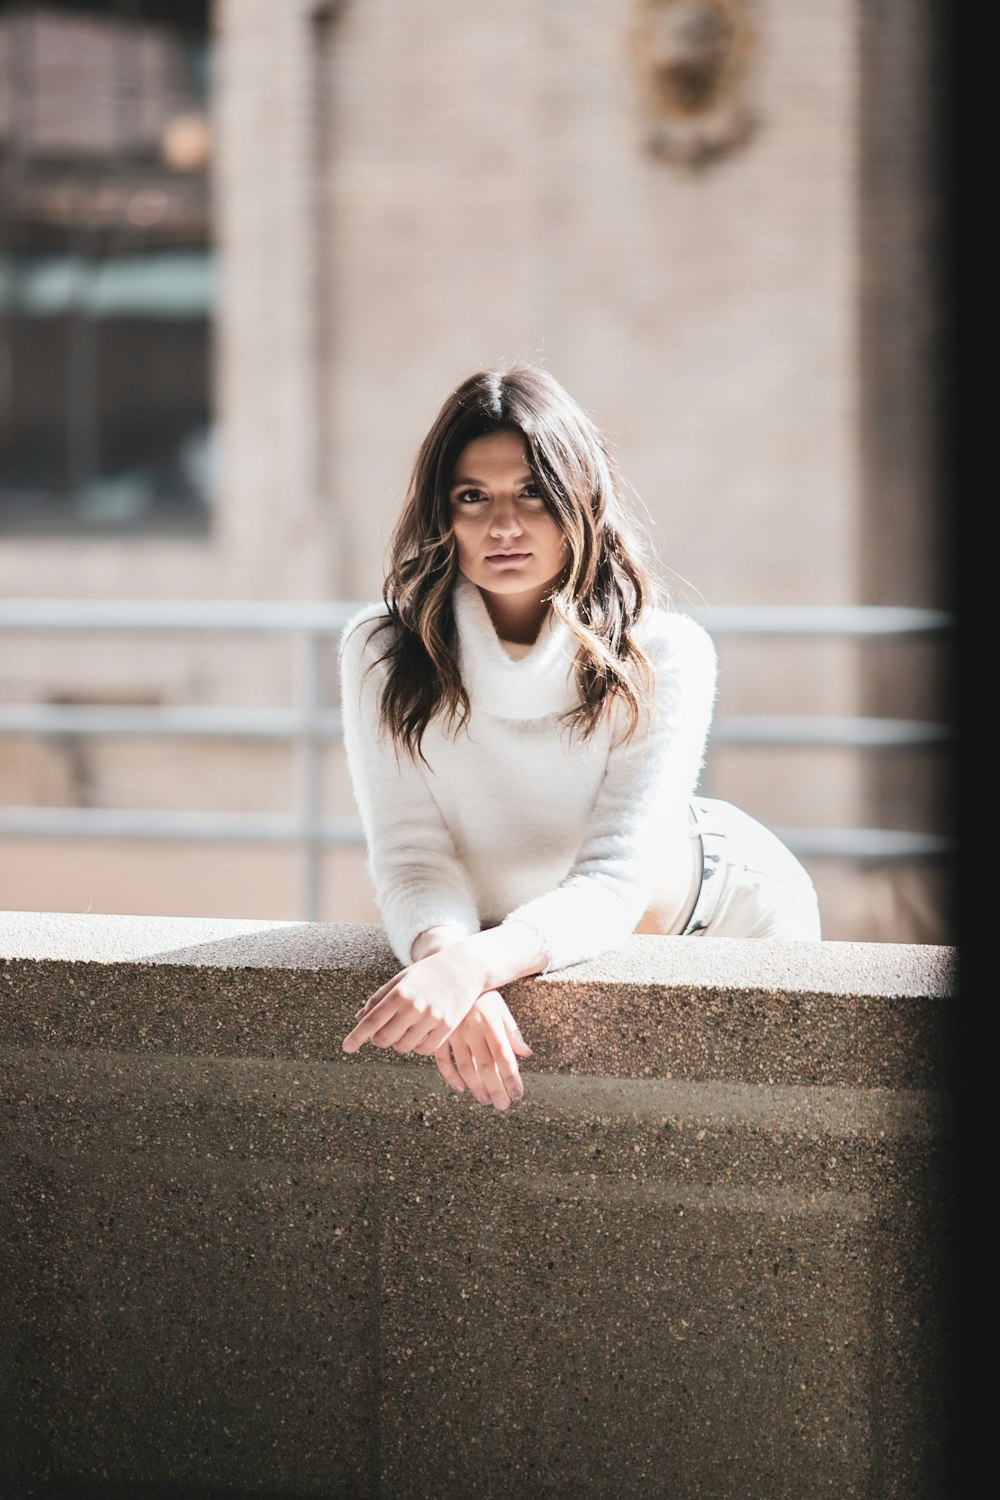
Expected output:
(482, 1053)
(446, 1003)
(419, 1008)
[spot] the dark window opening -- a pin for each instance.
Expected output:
(106, 269)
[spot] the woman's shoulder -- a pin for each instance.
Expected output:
(359, 638)
(671, 638)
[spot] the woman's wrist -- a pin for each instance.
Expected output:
(489, 959)
(435, 940)
(499, 955)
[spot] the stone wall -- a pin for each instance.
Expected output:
(708, 1255)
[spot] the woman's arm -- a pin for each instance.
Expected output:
(419, 881)
(426, 906)
(646, 790)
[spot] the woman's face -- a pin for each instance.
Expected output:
(508, 543)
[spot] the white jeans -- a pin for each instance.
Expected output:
(751, 885)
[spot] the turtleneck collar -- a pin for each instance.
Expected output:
(531, 687)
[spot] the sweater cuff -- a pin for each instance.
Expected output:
(514, 920)
(574, 925)
(403, 929)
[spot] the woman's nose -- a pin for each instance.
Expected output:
(505, 523)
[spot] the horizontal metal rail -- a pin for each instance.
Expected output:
(69, 719)
(859, 620)
(200, 827)
(265, 617)
(854, 733)
(169, 721)
(311, 724)
(879, 844)
(275, 828)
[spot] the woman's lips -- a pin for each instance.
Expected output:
(506, 557)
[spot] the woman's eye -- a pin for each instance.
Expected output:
(470, 497)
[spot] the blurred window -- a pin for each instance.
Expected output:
(106, 268)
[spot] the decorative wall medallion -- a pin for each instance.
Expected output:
(694, 63)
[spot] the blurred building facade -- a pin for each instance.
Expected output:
(249, 247)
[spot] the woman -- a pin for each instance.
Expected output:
(525, 731)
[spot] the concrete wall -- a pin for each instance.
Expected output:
(706, 1256)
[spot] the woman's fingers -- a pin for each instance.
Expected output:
(427, 1046)
(383, 1025)
(460, 1068)
(499, 1092)
(400, 1027)
(465, 1065)
(379, 994)
(505, 1065)
(504, 1039)
(446, 1067)
(409, 1040)
(493, 1054)
(479, 1053)
(436, 1037)
(362, 1032)
(514, 1036)
(484, 1054)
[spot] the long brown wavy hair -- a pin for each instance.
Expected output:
(603, 589)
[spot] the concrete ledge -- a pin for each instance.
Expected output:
(862, 1014)
(706, 1256)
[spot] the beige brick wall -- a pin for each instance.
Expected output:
(496, 202)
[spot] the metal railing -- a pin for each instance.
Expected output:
(310, 724)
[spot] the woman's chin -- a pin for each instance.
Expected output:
(511, 580)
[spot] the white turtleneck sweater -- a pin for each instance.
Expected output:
(515, 819)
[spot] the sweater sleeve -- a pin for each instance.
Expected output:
(648, 780)
(419, 881)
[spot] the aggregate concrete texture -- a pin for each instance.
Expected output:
(706, 1256)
